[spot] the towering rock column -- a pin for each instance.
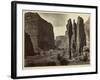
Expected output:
(74, 44)
(75, 30)
(81, 36)
(87, 31)
(70, 33)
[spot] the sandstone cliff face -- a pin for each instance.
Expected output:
(87, 31)
(70, 34)
(40, 31)
(81, 38)
(28, 46)
(46, 35)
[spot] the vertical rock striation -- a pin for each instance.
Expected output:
(70, 33)
(40, 31)
(81, 38)
(28, 46)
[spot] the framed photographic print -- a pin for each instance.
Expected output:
(50, 39)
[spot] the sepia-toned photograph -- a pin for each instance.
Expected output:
(51, 40)
(56, 38)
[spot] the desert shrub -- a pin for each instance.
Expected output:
(62, 60)
(51, 63)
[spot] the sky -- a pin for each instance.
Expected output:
(59, 19)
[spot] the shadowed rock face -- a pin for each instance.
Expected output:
(46, 37)
(74, 40)
(76, 34)
(70, 33)
(28, 46)
(40, 31)
(81, 34)
(75, 30)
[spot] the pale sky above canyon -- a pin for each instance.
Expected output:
(59, 19)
